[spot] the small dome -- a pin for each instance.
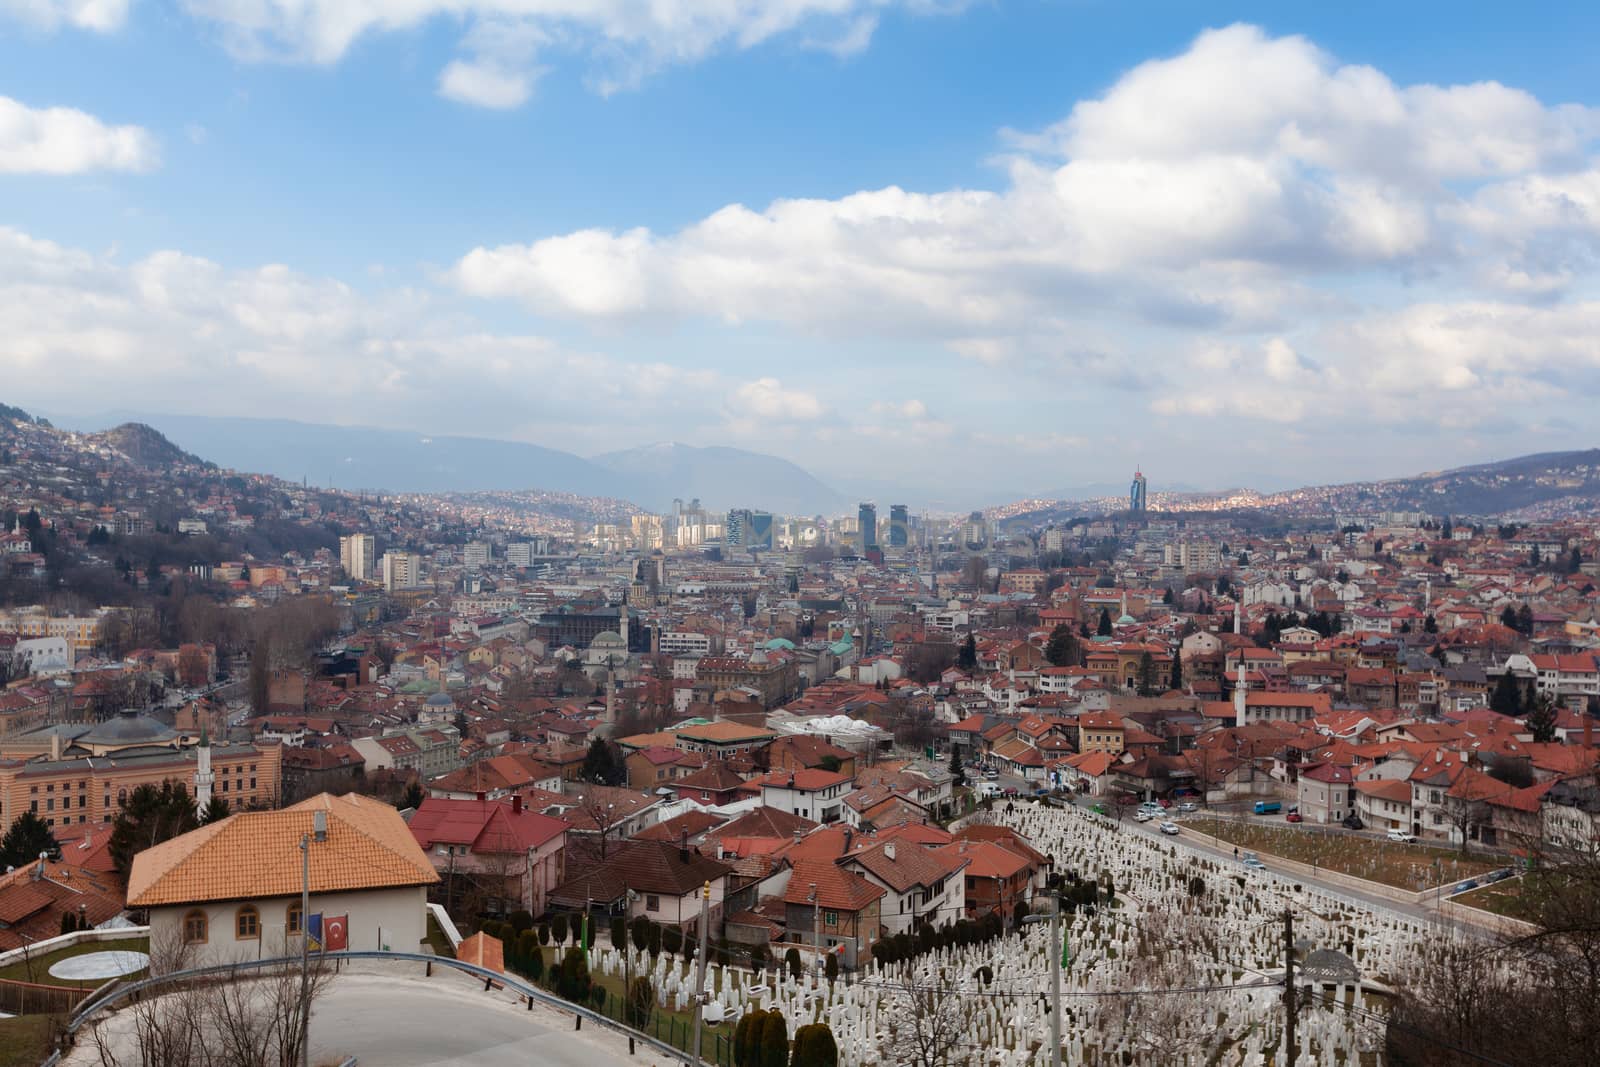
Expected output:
(440, 700)
(606, 639)
(130, 728)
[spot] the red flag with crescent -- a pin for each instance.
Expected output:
(337, 928)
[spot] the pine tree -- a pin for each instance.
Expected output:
(957, 771)
(1062, 650)
(1541, 719)
(216, 808)
(1104, 629)
(25, 839)
(967, 658)
(1525, 620)
(1176, 681)
(1507, 696)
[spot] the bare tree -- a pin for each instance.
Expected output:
(927, 1028)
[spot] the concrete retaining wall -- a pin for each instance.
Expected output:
(77, 937)
(1279, 865)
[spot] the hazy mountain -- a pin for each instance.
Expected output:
(724, 478)
(362, 457)
(1558, 480)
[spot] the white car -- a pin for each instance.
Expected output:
(991, 775)
(1402, 837)
(1186, 807)
(1143, 816)
(1170, 828)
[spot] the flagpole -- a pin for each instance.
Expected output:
(305, 956)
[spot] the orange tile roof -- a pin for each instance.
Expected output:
(257, 854)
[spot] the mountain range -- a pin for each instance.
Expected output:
(410, 461)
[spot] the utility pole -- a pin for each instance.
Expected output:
(305, 949)
(700, 970)
(1290, 1007)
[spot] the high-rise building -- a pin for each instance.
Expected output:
(975, 531)
(899, 526)
(519, 554)
(758, 532)
(1138, 493)
(400, 570)
(867, 516)
(737, 528)
(356, 554)
(476, 554)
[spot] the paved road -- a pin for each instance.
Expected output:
(403, 1022)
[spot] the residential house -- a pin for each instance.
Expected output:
(921, 884)
(506, 855)
(661, 880)
(834, 910)
(811, 794)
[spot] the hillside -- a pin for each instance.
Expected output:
(146, 447)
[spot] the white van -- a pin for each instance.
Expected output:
(988, 789)
(1402, 837)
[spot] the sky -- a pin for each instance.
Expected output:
(930, 242)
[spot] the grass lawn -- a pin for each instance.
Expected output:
(18, 971)
(1502, 898)
(1409, 867)
(25, 1039)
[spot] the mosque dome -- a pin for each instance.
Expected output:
(128, 729)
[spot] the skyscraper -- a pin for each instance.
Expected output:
(356, 555)
(758, 534)
(899, 526)
(1137, 493)
(867, 515)
(737, 531)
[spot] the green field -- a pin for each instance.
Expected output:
(1409, 867)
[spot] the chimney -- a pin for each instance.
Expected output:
(482, 796)
(683, 846)
(888, 850)
(719, 850)
(516, 803)
(798, 836)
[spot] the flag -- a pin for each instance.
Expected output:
(314, 932)
(338, 929)
(584, 932)
(1066, 951)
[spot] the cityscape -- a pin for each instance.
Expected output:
(745, 535)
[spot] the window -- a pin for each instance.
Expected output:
(291, 922)
(122, 798)
(194, 928)
(83, 801)
(33, 805)
(830, 918)
(247, 923)
(50, 804)
(652, 903)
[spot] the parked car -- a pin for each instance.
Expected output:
(1402, 836)
(1143, 816)
(1164, 802)
(991, 775)
(1497, 876)
(1353, 821)
(1293, 816)
(1099, 809)
(1170, 828)
(1465, 886)
(1009, 791)
(1187, 806)
(1250, 863)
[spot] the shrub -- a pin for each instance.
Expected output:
(641, 932)
(747, 1039)
(619, 932)
(558, 928)
(791, 960)
(597, 996)
(774, 1040)
(830, 967)
(535, 964)
(641, 1002)
(1197, 886)
(984, 974)
(758, 957)
(521, 920)
(572, 976)
(544, 933)
(672, 940)
(528, 949)
(814, 1047)
(655, 941)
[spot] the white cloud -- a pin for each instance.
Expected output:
(101, 16)
(629, 39)
(766, 398)
(906, 409)
(63, 140)
(485, 84)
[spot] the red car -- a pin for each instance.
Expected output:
(1164, 802)
(1293, 816)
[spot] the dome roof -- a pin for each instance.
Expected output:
(606, 639)
(130, 728)
(440, 700)
(780, 643)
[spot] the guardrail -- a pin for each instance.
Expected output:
(232, 970)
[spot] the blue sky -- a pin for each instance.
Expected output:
(1264, 244)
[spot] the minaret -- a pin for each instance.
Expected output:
(623, 624)
(1238, 696)
(202, 773)
(1238, 618)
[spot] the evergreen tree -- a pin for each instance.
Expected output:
(1176, 681)
(1525, 620)
(152, 815)
(1104, 629)
(1062, 650)
(1541, 719)
(957, 771)
(774, 1040)
(1574, 560)
(967, 658)
(1166, 597)
(1147, 674)
(1506, 698)
(1430, 625)
(601, 766)
(1508, 617)
(25, 839)
(814, 1046)
(216, 808)
(1535, 560)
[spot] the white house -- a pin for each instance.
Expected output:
(809, 793)
(231, 890)
(920, 883)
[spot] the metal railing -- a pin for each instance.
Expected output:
(112, 997)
